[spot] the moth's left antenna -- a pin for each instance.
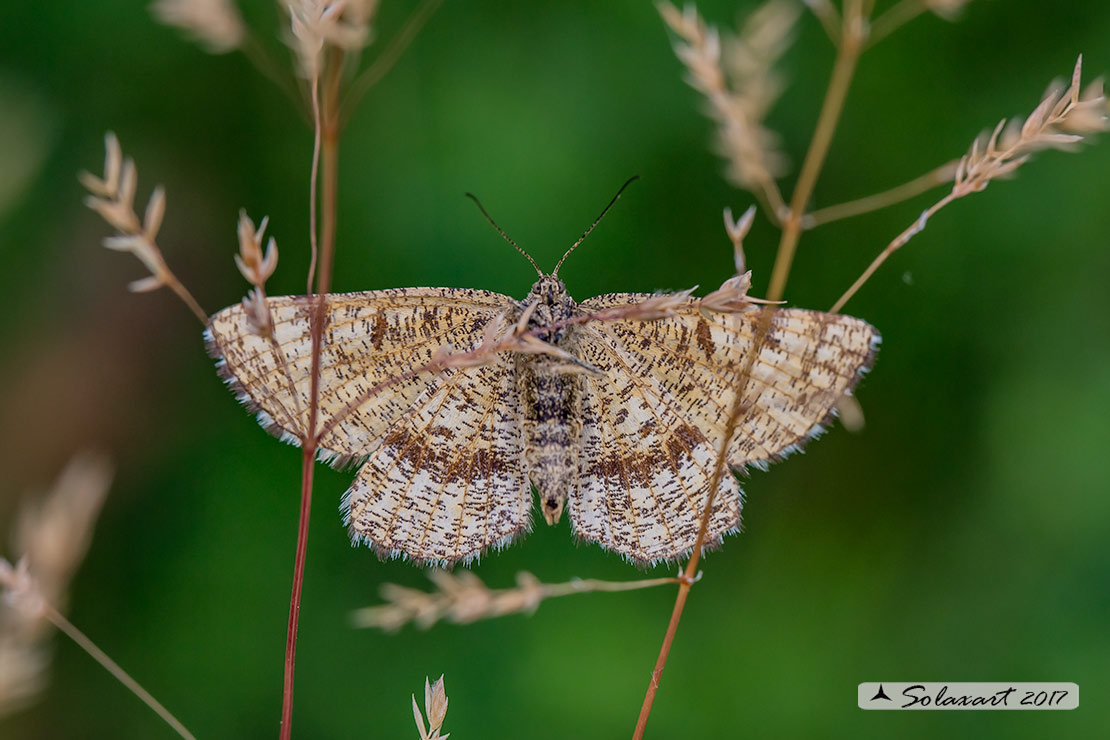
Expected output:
(629, 181)
(503, 234)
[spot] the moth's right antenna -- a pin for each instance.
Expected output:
(629, 181)
(503, 234)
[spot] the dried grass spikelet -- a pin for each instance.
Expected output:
(657, 306)
(24, 657)
(1064, 117)
(750, 57)
(215, 24)
(51, 536)
(462, 598)
(314, 24)
(739, 81)
(522, 340)
(732, 296)
(435, 707)
(737, 229)
(23, 665)
(1062, 120)
(54, 533)
(113, 197)
(947, 9)
(660, 306)
(256, 267)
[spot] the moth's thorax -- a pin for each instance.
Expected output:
(552, 305)
(551, 400)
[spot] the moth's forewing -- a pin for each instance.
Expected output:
(659, 410)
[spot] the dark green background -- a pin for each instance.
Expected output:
(961, 536)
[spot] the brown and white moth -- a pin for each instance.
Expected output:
(622, 429)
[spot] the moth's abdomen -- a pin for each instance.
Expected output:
(551, 402)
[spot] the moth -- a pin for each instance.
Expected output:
(621, 429)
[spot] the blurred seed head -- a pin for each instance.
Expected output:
(314, 24)
(53, 533)
(946, 9)
(22, 672)
(214, 24)
(51, 536)
(850, 412)
(740, 83)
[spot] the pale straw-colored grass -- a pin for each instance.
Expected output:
(216, 25)
(435, 708)
(461, 597)
(113, 197)
(51, 536)
(1066, 117)
(737, 76)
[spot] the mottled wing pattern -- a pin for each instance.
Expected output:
(660, 409)
(371, 338)
(448, 480)
(644, 469)
(444, 476)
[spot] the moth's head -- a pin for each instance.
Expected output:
(548, 289)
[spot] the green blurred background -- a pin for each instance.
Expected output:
(961, 536)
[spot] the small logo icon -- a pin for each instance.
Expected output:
(881, 694)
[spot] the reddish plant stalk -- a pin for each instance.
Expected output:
(325, 155)
(690, 574)
(850, 47)
(307, 470)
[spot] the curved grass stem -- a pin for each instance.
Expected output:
(112, 667)
(853, 35)
(897, 243)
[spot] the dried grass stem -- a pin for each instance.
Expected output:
(1061, 120)
(875, 202)
(381, 66)
(462, 597)
(58, 620)
(848, 52)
